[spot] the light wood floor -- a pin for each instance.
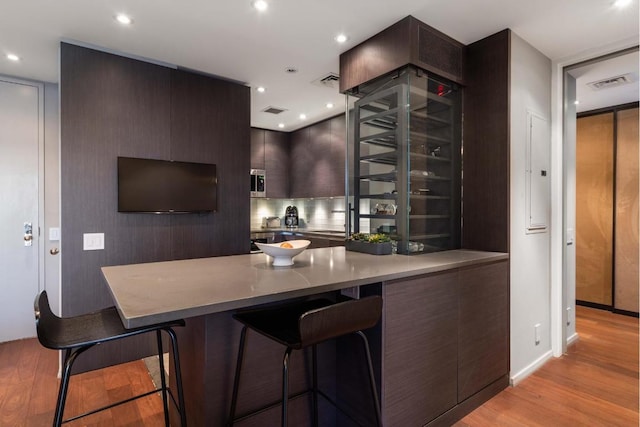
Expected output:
(595, 384)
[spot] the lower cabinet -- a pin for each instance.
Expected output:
(420, 349)
(483, 327)
(444, 339)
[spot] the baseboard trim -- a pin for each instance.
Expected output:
(530, 369)
(573, 339)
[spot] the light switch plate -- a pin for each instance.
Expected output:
(93, 241)
(54, 234)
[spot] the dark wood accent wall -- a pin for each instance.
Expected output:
(210, 122)
(486, 145)
(114, 106)
(408, 41)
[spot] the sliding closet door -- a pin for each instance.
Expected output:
(594, 208)
(626, 215)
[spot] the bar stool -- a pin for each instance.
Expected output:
(77, 334)
(306, 324)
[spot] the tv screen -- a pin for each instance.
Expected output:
(160, 186)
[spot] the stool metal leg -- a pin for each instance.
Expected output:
(285, 385)
(372, 380)
(236, 380)
(314, 358)
(176, 368)
(163, 380)
(69, 357)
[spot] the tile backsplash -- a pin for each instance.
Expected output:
(316, 214)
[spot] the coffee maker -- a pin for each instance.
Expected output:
(291, 217)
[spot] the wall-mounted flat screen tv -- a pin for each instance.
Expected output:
(160, 186)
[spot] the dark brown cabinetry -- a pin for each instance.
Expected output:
(483, 327)
(257, 148)
(420, 349)
(408, 41)
(444, 344)
(317, 159)
(308, 162)
(270, 151)
(276, 163)
(301, 158)
(486, 144)
(338, 152)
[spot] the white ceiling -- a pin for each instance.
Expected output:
(229, 38)
(590, 99)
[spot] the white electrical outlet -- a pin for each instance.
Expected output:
(568, 316)
(93, 241)
(536, 327)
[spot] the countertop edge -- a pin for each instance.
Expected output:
(470, 258)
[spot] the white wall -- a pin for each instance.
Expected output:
(51, 192)
(569, 171)
(530, 253)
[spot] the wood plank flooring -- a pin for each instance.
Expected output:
(595, 384)
(29, 389)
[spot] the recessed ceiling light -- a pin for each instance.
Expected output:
(341, 38)
(123, 19)
(260, 5)
(303, 116)
(329, 104)
(280, 125)
(576, 102)
(622, 3)
(261, 89)
(13, 57)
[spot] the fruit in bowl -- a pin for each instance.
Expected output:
(283, 253)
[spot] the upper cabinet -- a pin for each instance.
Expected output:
(318, 159)
(276, 163)
(406, 42)
(309, 162)
(257, 148)
(270, 152)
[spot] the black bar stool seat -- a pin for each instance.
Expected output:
(77, 334)
(306, 324)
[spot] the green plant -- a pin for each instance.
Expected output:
(371, 238)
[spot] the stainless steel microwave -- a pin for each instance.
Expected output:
(258, 183)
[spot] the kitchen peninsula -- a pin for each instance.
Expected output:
(440, 349)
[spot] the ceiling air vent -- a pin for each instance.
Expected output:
(330, 80)
(611, 82)
(274, 110)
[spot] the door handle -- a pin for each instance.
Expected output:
(54, 251)
(28, 234)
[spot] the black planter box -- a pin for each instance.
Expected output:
(369, 248)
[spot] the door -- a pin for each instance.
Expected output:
(594, 208)
(20, 135)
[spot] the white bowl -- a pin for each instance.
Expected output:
(283, 256)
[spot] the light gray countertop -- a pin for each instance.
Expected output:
(160, 291)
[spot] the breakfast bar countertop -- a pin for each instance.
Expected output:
(155, 292)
